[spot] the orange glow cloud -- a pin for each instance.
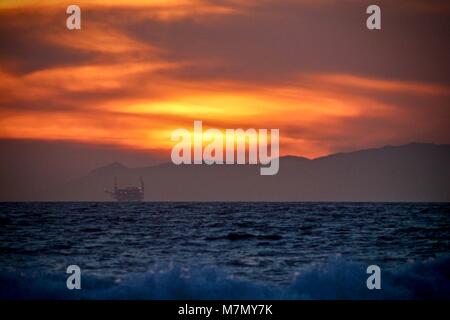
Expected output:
(128, 90)
(384, 85)
(148, 123)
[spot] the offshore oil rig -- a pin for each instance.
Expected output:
(128, 194)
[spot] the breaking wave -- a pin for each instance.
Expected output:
(335, 279)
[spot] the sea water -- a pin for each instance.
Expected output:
(224, 250)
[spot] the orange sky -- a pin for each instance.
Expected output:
(139, 69)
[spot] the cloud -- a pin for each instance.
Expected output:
(139, 69)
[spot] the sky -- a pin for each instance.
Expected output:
(137, 70)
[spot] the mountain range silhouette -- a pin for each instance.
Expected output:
(415, 172)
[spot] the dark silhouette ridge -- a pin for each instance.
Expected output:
(415, 172)
(32, 168)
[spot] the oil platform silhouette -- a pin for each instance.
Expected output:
(128, 194)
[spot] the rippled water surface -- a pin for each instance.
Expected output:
(267, 242)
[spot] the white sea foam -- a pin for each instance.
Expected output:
(338, 278)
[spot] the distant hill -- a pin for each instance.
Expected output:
(413, 172)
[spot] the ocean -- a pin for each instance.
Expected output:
(224, 250)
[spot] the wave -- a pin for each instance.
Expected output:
(337, 278)
(233, 236)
